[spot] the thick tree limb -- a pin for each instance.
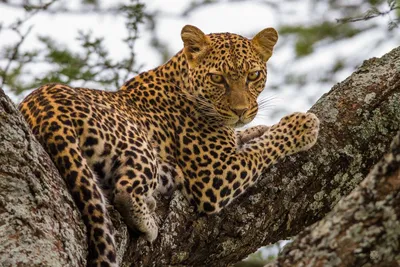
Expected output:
(39, 224)
(359, 117)
(362, 230)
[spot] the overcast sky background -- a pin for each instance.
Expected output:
(245, 18)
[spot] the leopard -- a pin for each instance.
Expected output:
(175, 127)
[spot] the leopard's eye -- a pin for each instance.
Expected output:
(216, 78)
(253, 76)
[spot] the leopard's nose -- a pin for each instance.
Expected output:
(239, 111)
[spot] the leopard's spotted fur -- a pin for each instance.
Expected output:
(171, 126)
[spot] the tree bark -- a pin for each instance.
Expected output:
(39, 224)
(359, 117)
(362, 230)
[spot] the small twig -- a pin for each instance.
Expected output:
(32, 11)
(82, 11)
(370, 14)
(14, 54)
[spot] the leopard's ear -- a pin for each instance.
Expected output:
(196, 44)
(264, 42)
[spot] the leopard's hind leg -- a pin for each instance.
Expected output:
(60, 140)
(135, 181)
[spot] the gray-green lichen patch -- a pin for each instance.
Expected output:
(39, 226)
(329, 112)
(171, 223)
(344, 183)
(377, 123)
(319, 196)
(254, 199)
(375, 256)
(394, 109)
(369, 97)
(309, 168)
(179, 257)
(319, 201)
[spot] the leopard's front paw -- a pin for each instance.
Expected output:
(301, 129)
(242, 137)
(310, 129)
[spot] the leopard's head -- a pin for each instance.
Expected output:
(227, 72)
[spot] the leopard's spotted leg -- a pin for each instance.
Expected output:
(133, 191)
(61, 142)
(248, 134)
(294, 133)
(301, 128)
(229, 177)
(168, 172)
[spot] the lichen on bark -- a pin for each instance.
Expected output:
(39, 224)
(362, 230)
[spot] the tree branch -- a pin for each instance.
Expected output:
(371, 13)
(359, 118)
(14, 56)
(363, 229)
(39, 223)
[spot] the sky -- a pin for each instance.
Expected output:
(245, 18)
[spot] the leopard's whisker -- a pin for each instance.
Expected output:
(204, 107)
(266, 102)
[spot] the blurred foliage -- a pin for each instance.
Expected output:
(320, 28)
(374, 11)
(92, 63)
(309, 35)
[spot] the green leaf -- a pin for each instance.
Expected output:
(308, 36)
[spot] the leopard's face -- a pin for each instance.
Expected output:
(227, 73)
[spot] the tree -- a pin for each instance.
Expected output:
(362, 229)
(359, 118)
(39, 223)
(91, 63)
